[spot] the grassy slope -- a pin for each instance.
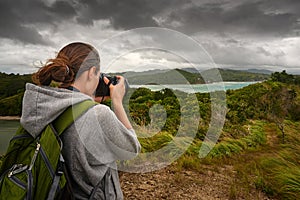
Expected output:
(250, 167)
(260, 158)
(275, 166)
(259, 161)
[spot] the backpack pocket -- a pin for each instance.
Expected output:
(17, 183)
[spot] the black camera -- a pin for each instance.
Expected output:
(103, 88)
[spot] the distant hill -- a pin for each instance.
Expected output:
(237, 75)
(259, 71)
(174, 76)
(192, 76)
(191, 70)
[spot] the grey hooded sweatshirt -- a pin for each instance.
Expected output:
(91, 145)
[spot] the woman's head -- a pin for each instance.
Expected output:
(70, 62)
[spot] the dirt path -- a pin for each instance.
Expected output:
(171, 183)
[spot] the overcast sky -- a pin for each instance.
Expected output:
(237, 34)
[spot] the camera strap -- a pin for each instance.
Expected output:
(72, 89)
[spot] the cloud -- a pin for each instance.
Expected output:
(21, 21)
(248, 18)
(124, 14)
(249, 53)
(234, 33)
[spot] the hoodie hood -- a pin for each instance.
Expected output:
(42, 105)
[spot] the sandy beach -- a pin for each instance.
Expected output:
(9, 118)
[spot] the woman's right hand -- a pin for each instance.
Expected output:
(117, 91)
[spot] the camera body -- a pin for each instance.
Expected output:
(103, 88)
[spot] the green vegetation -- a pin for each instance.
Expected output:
(260, 138)
(236, 75)
(285, 78)
(11, 84)
(230, 146)
(12, 88)
(11, 106)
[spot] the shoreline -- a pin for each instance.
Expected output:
(10, 118)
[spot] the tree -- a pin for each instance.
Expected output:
(281, 102)
(282, 77)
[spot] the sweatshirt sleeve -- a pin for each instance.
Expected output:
(122, 142)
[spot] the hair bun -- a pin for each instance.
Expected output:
(71, 61)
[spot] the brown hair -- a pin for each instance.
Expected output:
(70, 62)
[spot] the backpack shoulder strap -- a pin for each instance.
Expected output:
(72, 113)
(61, 123)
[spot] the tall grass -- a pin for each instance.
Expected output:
(229, 146)
(270, 166)
(280, 173)
(280, 178)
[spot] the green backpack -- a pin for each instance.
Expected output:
(33, 168)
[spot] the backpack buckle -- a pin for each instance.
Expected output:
(61, 165)
(16, 168)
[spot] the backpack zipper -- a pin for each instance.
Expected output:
(29, 184)
(38, 145)
(47, 162)
(19, 183)
(20, 137)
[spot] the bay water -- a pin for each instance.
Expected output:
(7, 129)
(201, 88)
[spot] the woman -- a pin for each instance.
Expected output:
(99, 137)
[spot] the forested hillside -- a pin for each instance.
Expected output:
(12, 87)
(271, 100)
(12, 84)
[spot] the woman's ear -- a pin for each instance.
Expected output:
(92, 72)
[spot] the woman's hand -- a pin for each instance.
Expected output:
(117, 91)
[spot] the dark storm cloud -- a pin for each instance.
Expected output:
(125, 14)
(256, 18)
(20, 20)
(253, 18)
(292, 6)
